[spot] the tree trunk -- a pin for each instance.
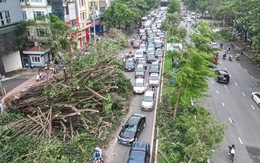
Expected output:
(191, 157)
(245, 35)
(176, 107)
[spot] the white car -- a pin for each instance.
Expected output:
(214, 43)
(188, 19)
(157, 39)
(148, 101)
(139, 53)
(256, 97)
(154, 80)
(139, 86)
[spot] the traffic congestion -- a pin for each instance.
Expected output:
(143, 66)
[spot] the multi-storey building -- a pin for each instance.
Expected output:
(10, 17)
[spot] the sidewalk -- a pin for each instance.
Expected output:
(240, 45)
(18, 90)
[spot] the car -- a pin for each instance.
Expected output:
(158, 44)
(142, 61)
(143, 48)
(140, 71)
(222, 76)
(136, 43)
(188, 19)
(154, 80)
(148, 101)
(150, 58)
(157, 39)
(132, 129)
(139, 54)
(214, 43)
(150, 46)
(129, 65)
(158, 53)
(139, 153)
(154, 68)
(139, 86)
(150, 40)
(256, 97)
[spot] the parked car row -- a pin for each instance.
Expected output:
(147, 57)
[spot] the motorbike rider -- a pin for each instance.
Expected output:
(237, 56)
(230, 57)
(224, 55)
(231, 150)
(97, 154)
(221, 45)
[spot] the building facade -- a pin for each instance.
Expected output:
(10, 17)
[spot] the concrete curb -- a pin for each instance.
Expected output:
(238, 49)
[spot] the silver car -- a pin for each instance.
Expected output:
(140, 71)
(154, 80)
(256, 97)
(139, 86)
(148, 101)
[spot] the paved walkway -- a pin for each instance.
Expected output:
(247, 50)
(18, 90)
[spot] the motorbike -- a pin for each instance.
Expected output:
(231, 153)
(224, 56)
(237, 57)
(230, 58)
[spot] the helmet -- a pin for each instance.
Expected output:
(233, 146)
(97, 148)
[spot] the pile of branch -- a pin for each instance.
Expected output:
(75, 105)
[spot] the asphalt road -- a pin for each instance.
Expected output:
(12, 82)
(231, 104)
(118, 153)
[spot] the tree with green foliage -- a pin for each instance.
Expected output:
(119, 14)
(174, 6)
(199, 134)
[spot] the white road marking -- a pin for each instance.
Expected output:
(212, 82)
(223, 104)
(217, 91)
(225, 68)
(252, 77)
(243, 94)
(253, 107)
(240, 140)
(245, 70)
(231, 121)
(235, 83)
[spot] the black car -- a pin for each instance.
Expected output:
(150, 58)
(132, 129)
(129, 65)
(139, 153)
(222, 76)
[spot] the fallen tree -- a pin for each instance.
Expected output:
(87, 97)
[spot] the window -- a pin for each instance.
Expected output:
(5, 18)
(36, 0)
(35, 59)
(41, 32)
(2, 19)
(38, 13)
(24, 15)
(21, 0)
(2, 1)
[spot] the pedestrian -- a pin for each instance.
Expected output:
(172, 61)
